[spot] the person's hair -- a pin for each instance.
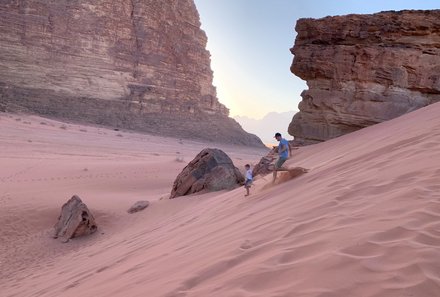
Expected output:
(247, 165)
(277, 134)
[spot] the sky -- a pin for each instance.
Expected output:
(249, 42)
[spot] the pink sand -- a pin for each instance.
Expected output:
(365, 220)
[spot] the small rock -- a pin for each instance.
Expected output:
(75, 220)
(138, 206)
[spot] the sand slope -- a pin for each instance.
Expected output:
(364, 221)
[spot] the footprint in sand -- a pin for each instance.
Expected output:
(427, 239)
(392, 235)
(362, 250)
(102, 269)
(247, 244)
(298, 254)
(307, 227)
(421, 219)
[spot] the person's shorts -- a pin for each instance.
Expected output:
(280, 162)
(248, 183)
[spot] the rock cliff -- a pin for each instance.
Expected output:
(364, 69)
(132, 64)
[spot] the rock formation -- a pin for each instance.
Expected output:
(138, 206)
(75, 220)
(266, 164)
(129, 64)
(364, 69)
(211, 170)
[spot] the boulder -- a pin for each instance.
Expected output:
(75, 220)
(138, 206)
(211, 170)
(266, 164)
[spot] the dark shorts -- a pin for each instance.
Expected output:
(280, 162)
(248, 183)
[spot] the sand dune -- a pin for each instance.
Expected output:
(364, 221)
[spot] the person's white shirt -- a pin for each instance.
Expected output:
(249, 174)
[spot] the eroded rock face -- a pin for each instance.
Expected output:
(132, 64)
(266, 164)
(364, 69)
(211, 170)
(75, 220)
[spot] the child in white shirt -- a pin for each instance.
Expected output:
(248, 182)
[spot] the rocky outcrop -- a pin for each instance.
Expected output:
(266, 164)
(211, 170)
(75, 220)
(364, 69)
(131, 64)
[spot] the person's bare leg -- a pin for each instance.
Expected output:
(274, 175)
(247, 192)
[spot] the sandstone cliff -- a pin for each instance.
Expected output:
(132, 64)
(364, 69)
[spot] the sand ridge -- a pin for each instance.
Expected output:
(364, 221)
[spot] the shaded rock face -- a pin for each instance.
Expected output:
(211, 170)
(131, 64)
(266, 164)
(364, 69)
(75, 220)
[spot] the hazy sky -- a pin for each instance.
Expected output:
(249, 41)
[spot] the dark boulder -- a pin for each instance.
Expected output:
(211, 170)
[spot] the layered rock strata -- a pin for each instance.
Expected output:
(364, 69)
(131, 64)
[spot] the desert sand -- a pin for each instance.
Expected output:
(364, 221)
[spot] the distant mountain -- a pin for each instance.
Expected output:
(266, 127)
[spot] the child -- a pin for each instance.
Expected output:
(248, 182)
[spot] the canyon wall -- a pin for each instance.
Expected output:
(132, 64)
(364, 69)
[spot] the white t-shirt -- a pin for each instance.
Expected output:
(249, 174)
